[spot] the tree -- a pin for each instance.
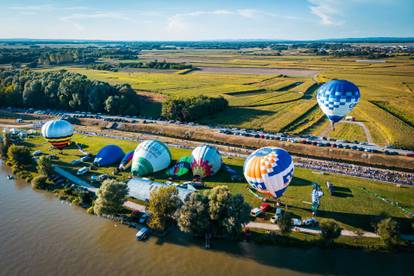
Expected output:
(44, 166)
(110, 197)
(389, 231)
(163, 204)
(216, 211)
(285, 223)
(193, 217)
(330, 230)
(19, 156)
(4, 145)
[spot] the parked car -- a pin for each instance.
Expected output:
(256, 212)
(296, 222)
(75, 162)
(265, 207)
(142, 234)
(278, 215)
(37, 153)
(82, 171)
(143, 218)
(310, 222)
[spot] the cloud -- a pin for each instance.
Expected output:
(327, 10)
(44, 8)
(180, 21)
(75, 18)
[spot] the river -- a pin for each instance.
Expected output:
(40, 235)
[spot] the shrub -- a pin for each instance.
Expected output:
(39, 182)
(90, 211)
(389, 231)
(44, 166)
(19, 156)
(330, 230)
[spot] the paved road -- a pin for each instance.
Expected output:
(275, 227)
(368, 135)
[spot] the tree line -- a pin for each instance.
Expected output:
(35, 56)
(66, 91)
(193, 108)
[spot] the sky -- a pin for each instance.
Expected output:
(205, 20)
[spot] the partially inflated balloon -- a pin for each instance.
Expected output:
(109, 155)
(269, 170)
(337, 98)
(182, 166)
(58, 133)
(206, 161)
(150, 156)
(125, 162)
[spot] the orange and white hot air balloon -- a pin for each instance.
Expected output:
(269, 170)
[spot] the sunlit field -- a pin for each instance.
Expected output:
(284, 101)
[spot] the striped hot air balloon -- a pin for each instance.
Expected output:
(58, 133)
(150, 156)
(269, 170)
(337, 98)
(206, 161)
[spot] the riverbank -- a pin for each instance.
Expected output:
(353, 209)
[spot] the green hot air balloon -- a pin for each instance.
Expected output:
(182, 166)
(149, 157)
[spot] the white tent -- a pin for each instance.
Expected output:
(141, 189)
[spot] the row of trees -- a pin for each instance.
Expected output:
(193, 108)
(64, 90)
(155, 64)
(60, 55)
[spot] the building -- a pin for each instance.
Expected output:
(141, 189)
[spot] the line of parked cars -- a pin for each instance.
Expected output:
(314, 140)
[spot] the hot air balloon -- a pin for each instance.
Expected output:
(150, 156)
(182, 167)
(125, 162)
(336, 98)
(206, 161)
(58, 133)
(108, 155)
(269, 170)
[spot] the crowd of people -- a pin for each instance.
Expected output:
(396, 177)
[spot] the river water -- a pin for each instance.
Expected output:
(40, 235)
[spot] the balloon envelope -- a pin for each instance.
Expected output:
(182, 166)
(206, 161)
(150, 156)
(126, 160)
(269, 170)
(109, 155)
(337, 98)
(58, 133)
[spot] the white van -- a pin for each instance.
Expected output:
(83, 170)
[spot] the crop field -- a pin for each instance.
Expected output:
(284, 101)
(353, 207)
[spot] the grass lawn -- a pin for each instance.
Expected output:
(353, 207)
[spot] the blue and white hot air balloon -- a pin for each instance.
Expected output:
(337, 98)
(269, 170)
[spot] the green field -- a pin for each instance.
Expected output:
(285, 101)
(353, 208)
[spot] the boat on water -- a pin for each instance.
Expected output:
(142, 234)
(10, 177)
